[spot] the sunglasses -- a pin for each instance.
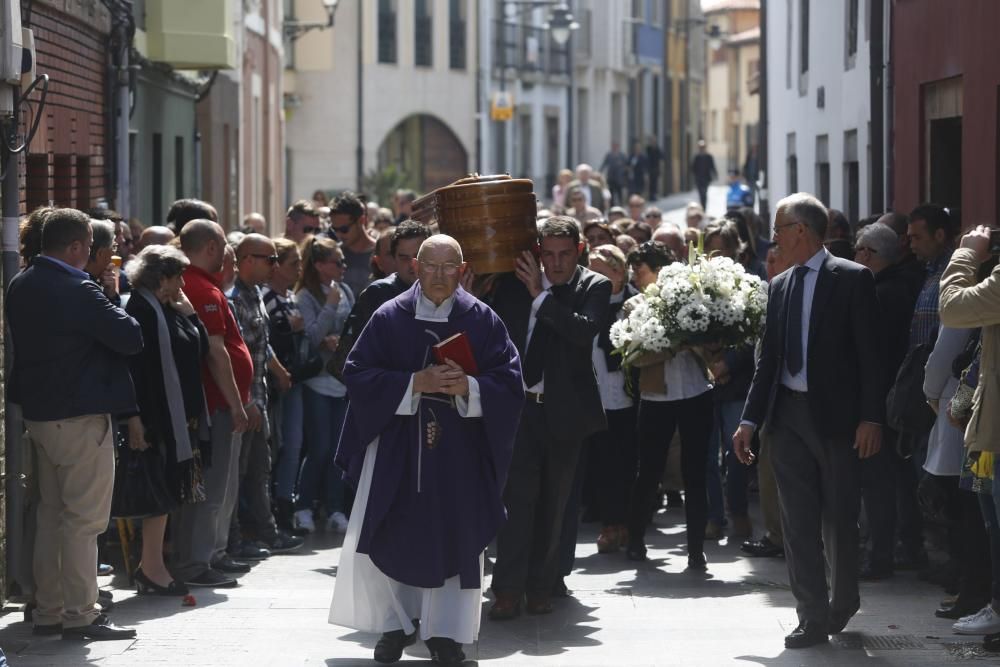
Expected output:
(343, 229)
(272, 259)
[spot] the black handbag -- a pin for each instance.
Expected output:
(907, 411)
(140, 484)
(305, 363)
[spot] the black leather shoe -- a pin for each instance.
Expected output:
(697, 563)
(840, 619)
(390, 646)
(230, 566)
(636, 552)
(106, 595)
(247, 551)
(763, 548)
(559, 590)
(445, 651)
(958, 610)
(809, 633)
(100, 630)
(47, 630)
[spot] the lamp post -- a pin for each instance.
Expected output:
(295, 29)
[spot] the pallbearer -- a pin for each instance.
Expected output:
(427, 442)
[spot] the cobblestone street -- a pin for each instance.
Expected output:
(655, 614)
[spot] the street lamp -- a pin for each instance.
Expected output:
(295, 29)
(561, 24)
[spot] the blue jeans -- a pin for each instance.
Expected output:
(727, 420)
(289, 424)
(324, 418)
(990, 506)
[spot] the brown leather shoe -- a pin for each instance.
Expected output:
(538, 604)
(506, 607)
(608, 542)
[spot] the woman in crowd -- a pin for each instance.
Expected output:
(325, 301)
(561, 188)
(291, 348)
(614, 449)
(733, 374)
(675, 393)
(598, 233)
(167, 379)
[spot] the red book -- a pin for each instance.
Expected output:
(457, 349)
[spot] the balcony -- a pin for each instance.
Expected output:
(528, 49)
(190, 34)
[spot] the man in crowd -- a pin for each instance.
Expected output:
(255, 260)
(383, 264)
(820, 348)
(427, 447)
(654, 156)
(406, 241)
(301, 220)
(70, 378)
(201, 532)
(931, 232)
(636, 207)
(593, 193)
(703, 170)
(877, 248)
(553, 313)
(671, 236)
(615, 168)
(348, 226)
(403, 203)
(254, 223)
(99, 266)
(184, 211)
(155, 235)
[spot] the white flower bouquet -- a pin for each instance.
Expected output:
(710, 301)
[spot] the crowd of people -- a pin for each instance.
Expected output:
(222, 368)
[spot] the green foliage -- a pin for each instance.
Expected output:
(382, 184)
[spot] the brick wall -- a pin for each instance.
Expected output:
(67, 162)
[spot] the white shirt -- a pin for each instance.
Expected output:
(684, 378)
(798, 382)
(611, 384)
(532, 319)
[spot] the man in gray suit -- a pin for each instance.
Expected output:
(819, 392)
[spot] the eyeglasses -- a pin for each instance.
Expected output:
(272, 259)
(342, 229)
(778, 228)
(448, 269)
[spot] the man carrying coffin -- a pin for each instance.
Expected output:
(427, 443)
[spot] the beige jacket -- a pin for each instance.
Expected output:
(967, 303)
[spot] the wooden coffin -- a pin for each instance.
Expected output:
(492, 217)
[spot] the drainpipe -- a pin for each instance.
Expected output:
(359, 169)
(876, 83)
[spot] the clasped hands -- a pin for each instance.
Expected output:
(447, 378)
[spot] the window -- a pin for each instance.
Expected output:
(852, 176)
(456, 33)
(823, 169)
(423, 35)
(803, 36)
(387, 31)
(82, 182)
(62, 180)
(179, 191)
(792, 164)
(851, 51)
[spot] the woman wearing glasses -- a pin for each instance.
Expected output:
(324, 301)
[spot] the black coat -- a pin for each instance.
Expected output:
(572, 404)
(897, 295)
(70, 346)
(845, 365)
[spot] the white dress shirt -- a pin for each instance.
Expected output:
(611, 384)
(538, 388)
(798, 382)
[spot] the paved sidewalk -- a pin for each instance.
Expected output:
(620, 614)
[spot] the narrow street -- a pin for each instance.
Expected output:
(619, 614)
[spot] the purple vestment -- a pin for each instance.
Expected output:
(431, 511)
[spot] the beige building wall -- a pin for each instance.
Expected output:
(322, 96)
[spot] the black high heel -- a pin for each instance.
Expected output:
(144, 585)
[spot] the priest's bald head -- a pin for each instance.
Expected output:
(439, 266)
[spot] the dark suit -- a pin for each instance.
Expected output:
(551, 432)
(373, 296)
(811, 434)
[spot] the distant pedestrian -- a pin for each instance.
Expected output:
(703, 170)
(654, 156)
(637, 169)
(615, 167)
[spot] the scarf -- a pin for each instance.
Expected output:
(171, 381)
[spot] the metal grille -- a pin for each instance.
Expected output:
(857, 641)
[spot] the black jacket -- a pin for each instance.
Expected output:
(572, 404)
(373, 296)
(897, 295)
(70, 346)
(845, 365)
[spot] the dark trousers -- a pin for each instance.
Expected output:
(566, 554)
(703, 194)
(614, 452)
(818, 488)
(654, 180)
(252, 515)
(878, 491)
(615, 187)
(989, 505)
(973, 549)
(657, 422)
(541, 477)
(909, 519)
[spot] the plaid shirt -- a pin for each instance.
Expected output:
(926, 319)
(252, 318)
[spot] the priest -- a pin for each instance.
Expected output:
(427, 445)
